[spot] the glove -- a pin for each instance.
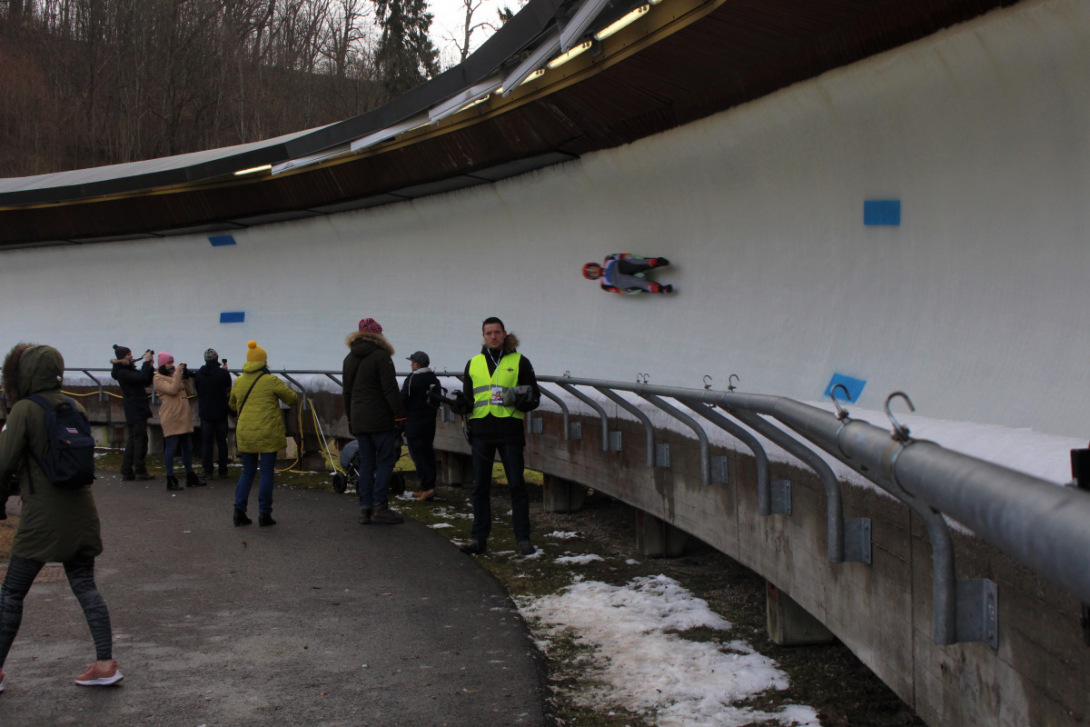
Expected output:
(462, 405)
(519, 397)
(399, 425)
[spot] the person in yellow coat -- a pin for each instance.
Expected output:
(259, 431)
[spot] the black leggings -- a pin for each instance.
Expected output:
(81, 578)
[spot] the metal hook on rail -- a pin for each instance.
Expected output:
(841, 412)
(900, 431)
(707, 381)
(732, 377)
(643, 378)
(567, 374)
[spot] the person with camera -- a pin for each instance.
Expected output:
(376, 416)
(498, 388)
(213, 384)
(176, 419)
(420, 411)
(134, 385)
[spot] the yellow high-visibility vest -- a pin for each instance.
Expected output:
(488, 391)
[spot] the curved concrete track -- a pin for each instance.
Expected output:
(315, 621)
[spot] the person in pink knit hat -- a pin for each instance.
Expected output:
(176, 418)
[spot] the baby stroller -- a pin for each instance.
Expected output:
(350, 463)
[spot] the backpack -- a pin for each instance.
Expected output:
(69, 462)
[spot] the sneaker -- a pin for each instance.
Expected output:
(526, 547)
(100, 676)
(425, 495)
(474, 547)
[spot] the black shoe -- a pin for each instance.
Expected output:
(474, 547)
(385, 516)
(265, 519)
(192, 479)
(240, 518)
(144, 477)
(526, 547)
(223, 472)
(172, 483)
(128, 478)
(208, 475)
(365, 516)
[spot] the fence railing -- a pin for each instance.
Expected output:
(1043, 526)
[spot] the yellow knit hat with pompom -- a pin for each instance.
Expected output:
(256, 353)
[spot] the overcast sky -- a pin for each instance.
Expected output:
(449, 22)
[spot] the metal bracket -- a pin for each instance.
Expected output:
(781, 497)
(615, 441)
(537, 425)
(719, 469)
(662, 455)
(575, 430)
(857, 540)
(978, 611)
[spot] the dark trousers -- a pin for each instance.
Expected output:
(136, 448)
(81, 579)
(422, 453)
(214, 431)
(513, 465)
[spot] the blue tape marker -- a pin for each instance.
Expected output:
(221, 240)
(233, 316)
(882, 212)
(854, 387)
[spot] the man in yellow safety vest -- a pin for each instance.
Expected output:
(502, 387)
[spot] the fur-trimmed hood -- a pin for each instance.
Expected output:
(510, 344)
(360, 341)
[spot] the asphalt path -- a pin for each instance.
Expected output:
(314, 621)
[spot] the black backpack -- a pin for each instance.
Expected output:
(69, 462)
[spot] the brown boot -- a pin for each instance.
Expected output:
(383, 515)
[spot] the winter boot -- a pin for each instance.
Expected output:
(172, 483)
(240, 518)
(192, 479)
(365, 516)
(265, 519)
(383, 515)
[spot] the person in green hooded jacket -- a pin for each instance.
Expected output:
(55, 525)
(259, 431)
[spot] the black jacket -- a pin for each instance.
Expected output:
(213, 384)
(503, 430)
(372, 401)
(419, 414)
(134, 388)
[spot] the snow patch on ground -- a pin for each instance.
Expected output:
(641, 665)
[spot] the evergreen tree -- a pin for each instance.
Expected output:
(405, 55)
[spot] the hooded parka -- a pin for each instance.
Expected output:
(55, 525)
(260, 426)
(372, 401)
(175, 414)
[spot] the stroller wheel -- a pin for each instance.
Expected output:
(340, 484)
(397, 483)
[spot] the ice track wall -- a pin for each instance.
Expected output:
(974, 303)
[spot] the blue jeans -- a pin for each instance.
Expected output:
(378, 454)
(265, 485)
(178, 442)
(513, 464)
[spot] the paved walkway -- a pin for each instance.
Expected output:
(316, 621)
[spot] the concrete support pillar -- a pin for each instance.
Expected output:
(455, 469)
(656, 538)
(155, 439)
(560, 495)
(789, 624)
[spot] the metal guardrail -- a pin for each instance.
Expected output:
(1040, 525)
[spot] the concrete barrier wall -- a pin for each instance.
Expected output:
(882, 611)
